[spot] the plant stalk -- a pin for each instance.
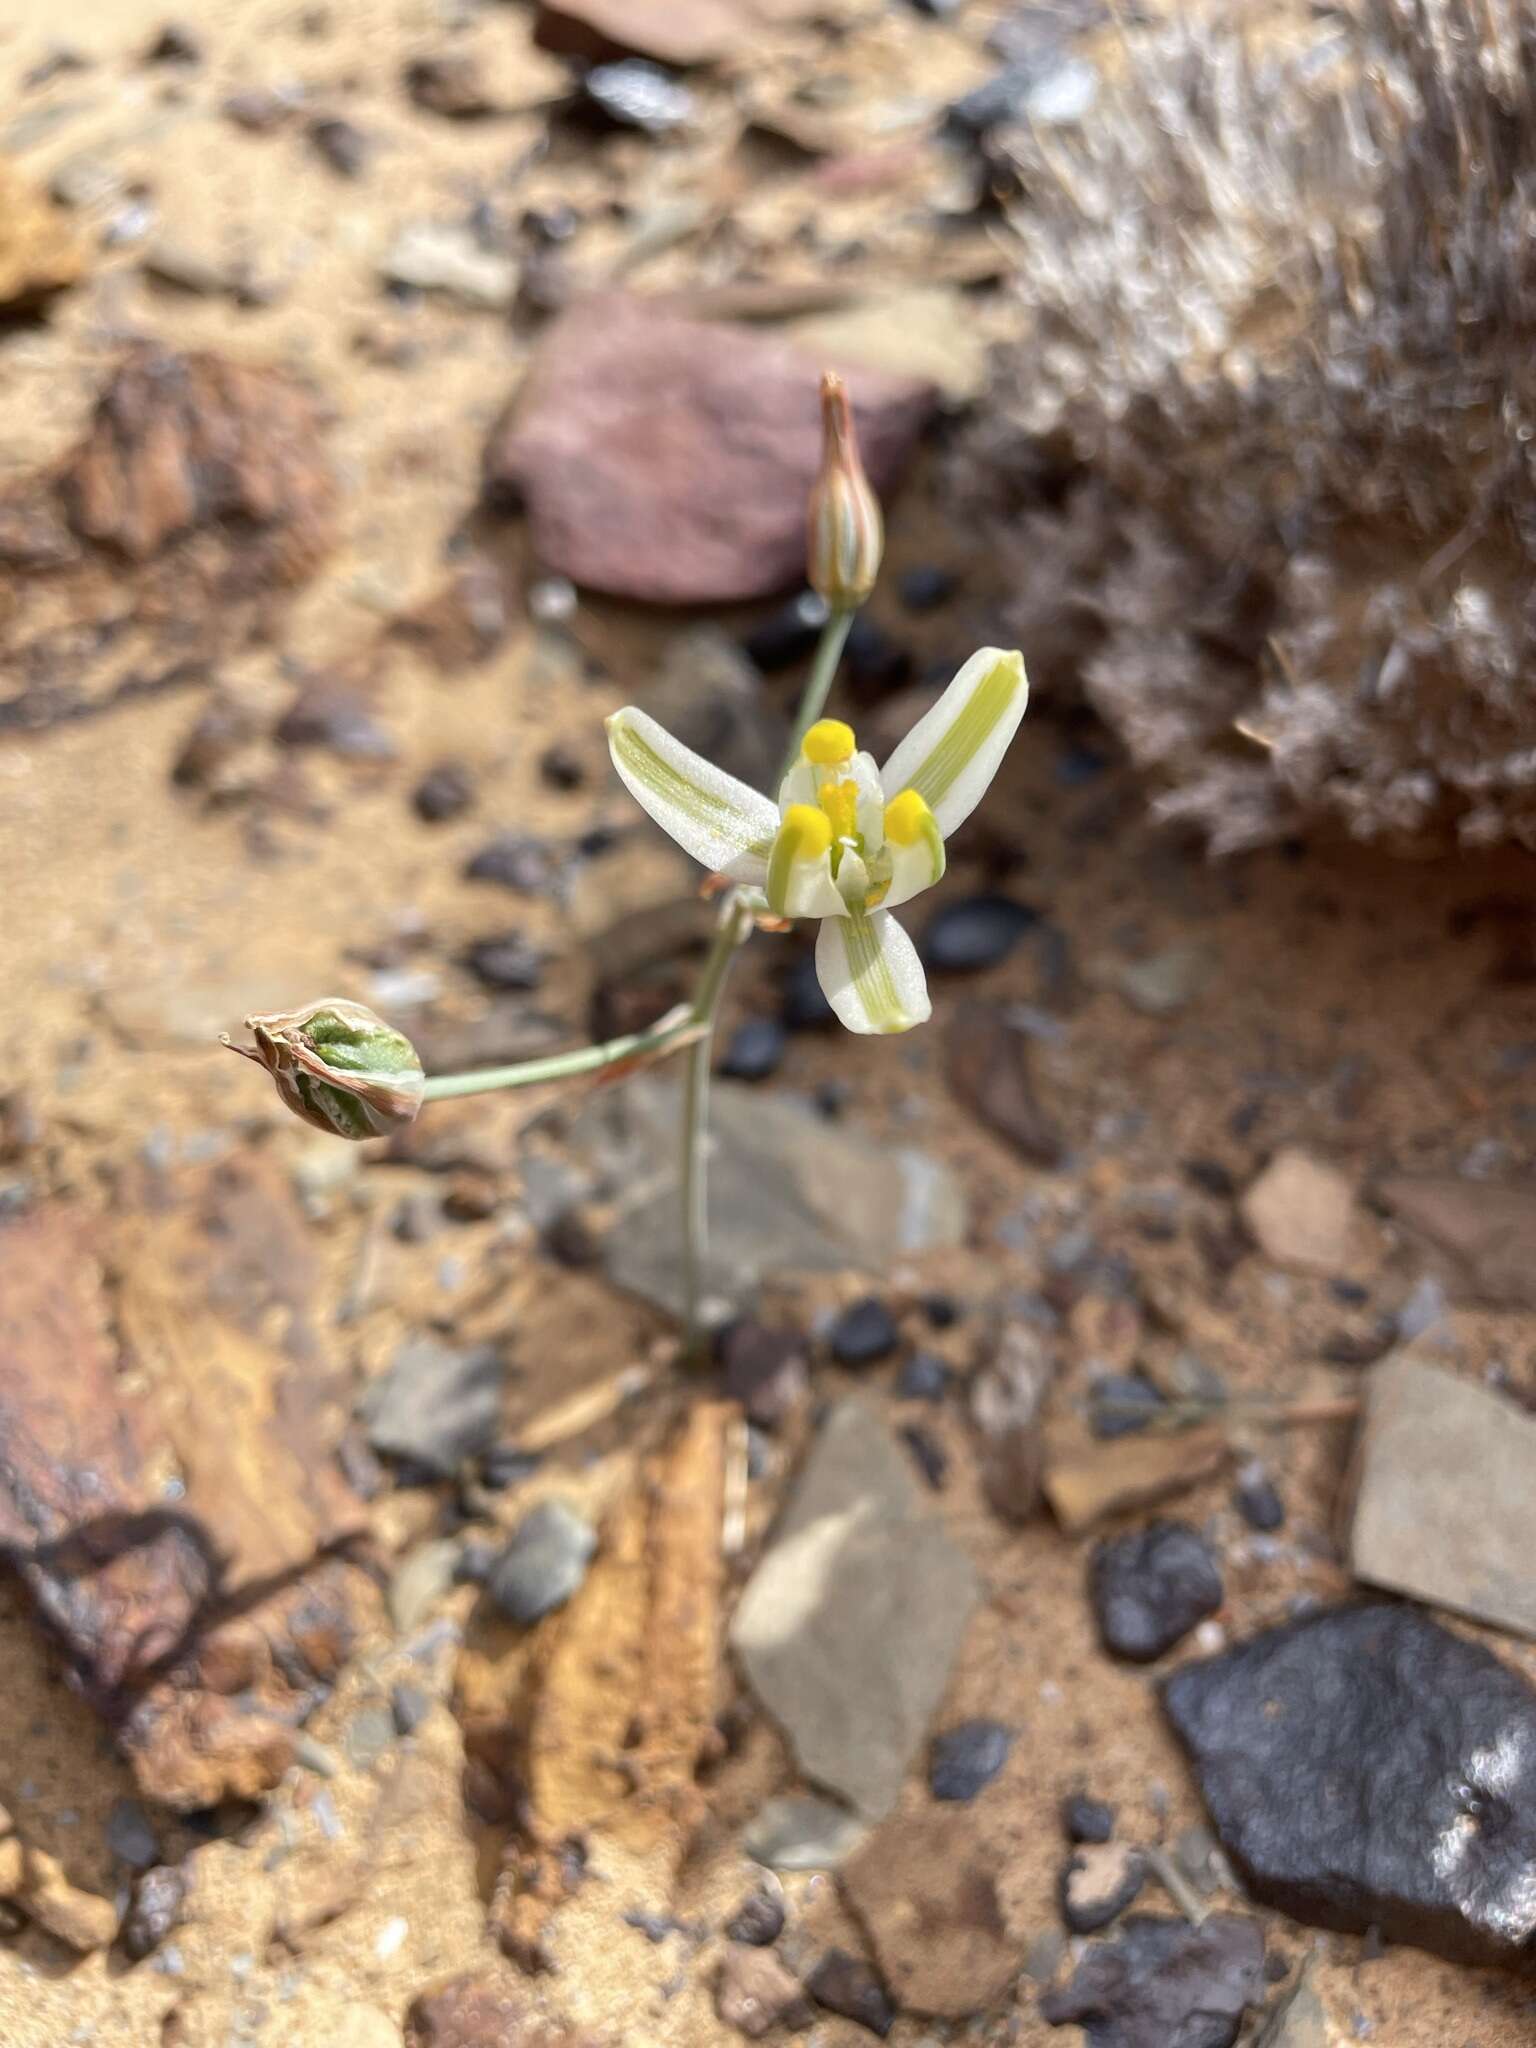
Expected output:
(693, 1181)
(818, 684)
(670, 1035)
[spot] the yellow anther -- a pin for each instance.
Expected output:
(805, 835)
(829, 743)
(907, 818)
(806, 831)
(840, 805)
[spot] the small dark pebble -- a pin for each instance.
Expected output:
(803, 1006)
(788, 635)
(176, 44)
(759, 1456)
(514, 861)
(410, 1706)
(332, 716)
(831, 1099)
(931, 1457)
(551, 225)
(472, 1566)
(975, 933)
(561, 768)
(569, 1240)
(130, 1835)
(1121, 1404)
(1350, 1292)
(544, 1562)
(260, 110)
(1259, 1504)
(506, 961)
(842, 1984)
(864, 1333)
(1211, 1177)
(507, 1465)
(942, 1311)
(927, 587)
(601, 839)
(1360, 1347)
(966, 1758)
(345, 148)
(634, 93)
(443, 792)
(924, 1377)
(764, 1369)
(153, 1911)
(1151, 1587)
(874, 662)
(654, 1926)
(758, 1920)
(1086, 1820)
(755, 1050)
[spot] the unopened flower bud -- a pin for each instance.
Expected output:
(846, 532)
(339, 1067)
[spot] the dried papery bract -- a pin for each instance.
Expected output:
(339, 1067)
(846, 534)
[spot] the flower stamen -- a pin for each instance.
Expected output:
(805, 835)
(828, 743)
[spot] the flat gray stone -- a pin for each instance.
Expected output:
(1444, 1505)
(788, 1192)
(435, 1405)
(544, 1563)
(799, 1831)
(849, 1626)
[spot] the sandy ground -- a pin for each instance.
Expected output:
(1343, 1011)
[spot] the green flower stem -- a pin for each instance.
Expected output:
(818, 684)
(735, 929)
(668, 1036)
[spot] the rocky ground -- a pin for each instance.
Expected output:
(1090, 1597)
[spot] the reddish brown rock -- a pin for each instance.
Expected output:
(484, 2012)
(119, 1581)
(210, 1374)
(925, 1889)
(670, 460)
(181, 442)
(1486, 1229)
(41, 250)
(986, 1063)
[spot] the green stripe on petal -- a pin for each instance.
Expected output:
(723, 823)
(951, 755)
(870, 973)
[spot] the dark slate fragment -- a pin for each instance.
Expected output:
(1121, 1404)
(1150, 1587)
(1258, 1502)
(1366, 1768)
(787, 635)
(1164, 1984)
(804, 1006)
(924, 1377)
(505, 961)
(926, 587)
(435, 1405)
(966, 1758)
(759, 1919)
(842, 1984)
(1086, 1820)
(864, 1333)
(975, 933)
(754, 1050)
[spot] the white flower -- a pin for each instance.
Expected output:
(847, 841)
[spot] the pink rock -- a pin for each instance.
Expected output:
(670, 459)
